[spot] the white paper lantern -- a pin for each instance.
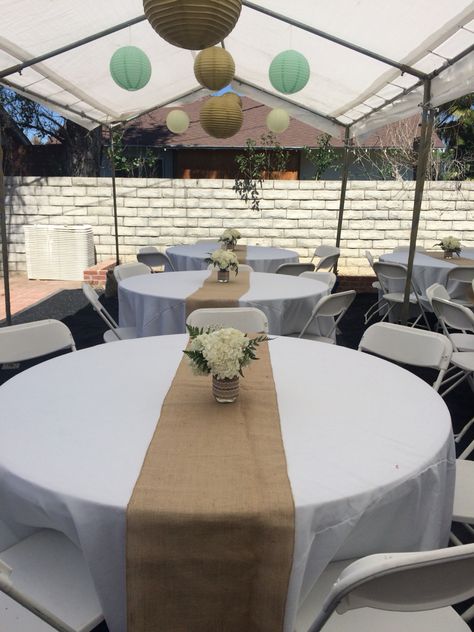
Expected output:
(177, 121)
(278, 120)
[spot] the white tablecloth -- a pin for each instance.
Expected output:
(368, 445)
(428, 270)
(261, 258)
(156, 305)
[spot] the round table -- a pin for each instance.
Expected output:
(260, 258)
(368, 445)
(156, 303)
(428, 270)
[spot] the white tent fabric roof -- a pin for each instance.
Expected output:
(345, 88)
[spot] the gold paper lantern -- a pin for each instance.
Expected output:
(193, 24)
(214, 68)
(232, 97)
(278, 120)
(221, 117)
(177, 121)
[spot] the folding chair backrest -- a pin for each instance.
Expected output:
(462, 274)
(406, 582)
(334, 305)
(294, 269)
(126, 270)
(207, 241)
(324, 251)
(246, 319)
(93, 299)
(152, 257)
(370, 258)
(328, 263)
(436, 291)
(409, 346)
(329, 278)
(453, 315)
(33, 340)
(244, 267)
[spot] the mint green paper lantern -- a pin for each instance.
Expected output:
(289, 72)
(130, 68)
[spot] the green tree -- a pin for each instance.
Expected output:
(83, 147)
(455, 126)
(258, 162)
(322, 157)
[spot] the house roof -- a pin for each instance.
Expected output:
(370, 61)
(150, 130)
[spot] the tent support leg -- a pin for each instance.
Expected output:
(342, 198)
(427, 121)
(4, 240)
(114, 196)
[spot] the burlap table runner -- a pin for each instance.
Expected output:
(241, 253)
(210, 525)
(214, 294)
(457, 261)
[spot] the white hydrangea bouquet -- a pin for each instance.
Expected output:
(224, 260)
(450, 245)
(223, 353)
(230, 236)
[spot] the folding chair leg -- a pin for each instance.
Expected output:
(460, 435)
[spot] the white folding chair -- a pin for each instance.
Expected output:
(406, 345)
(392, 592)
(153, 258)
(246, 319)
(329, 262)
(395, 274)
(207, 241)
(455, 316)
(329, 278)
(46, 574)
(463, 507)
(33, 340)
(334, 306)
(324, 251)
(377, 306)
(126, 270)
(294, 269)
(115, 332)
(459, 285)
(244, 267)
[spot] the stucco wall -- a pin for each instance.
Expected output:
(293, 214)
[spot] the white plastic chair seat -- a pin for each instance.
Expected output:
(51, 571)
(463, 509)
(369, 619)
(124, 333)
(463, 342)
(464, 360)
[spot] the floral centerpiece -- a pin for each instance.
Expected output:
(223, 353)
(450, 245)
(229, 237)
(224, 260)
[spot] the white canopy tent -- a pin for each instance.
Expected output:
(371, 63)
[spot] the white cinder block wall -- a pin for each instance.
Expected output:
(293, 214)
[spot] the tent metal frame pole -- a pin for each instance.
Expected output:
(4, 240)
(423, 152)
(64, 49)
(335, 40)
(114, 196)
(344, 177)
